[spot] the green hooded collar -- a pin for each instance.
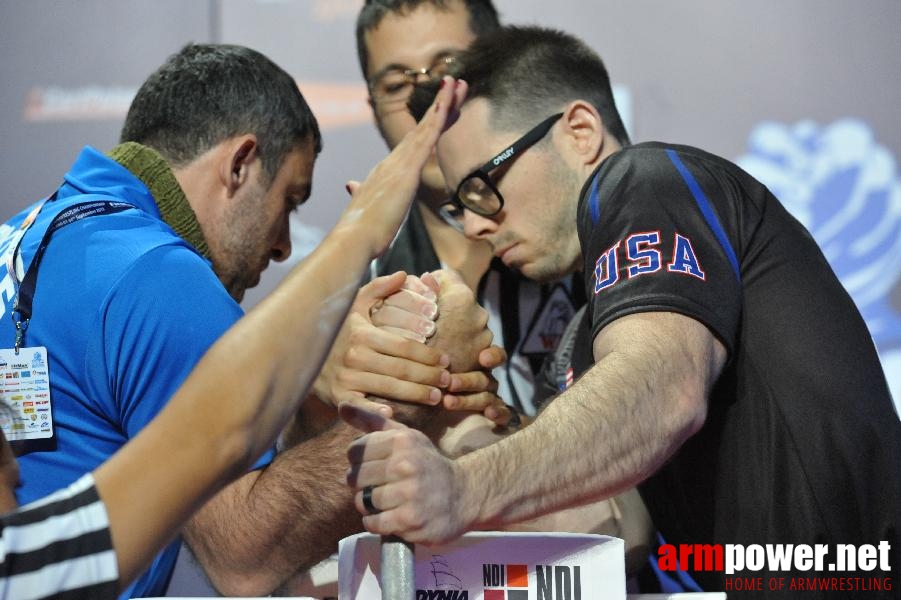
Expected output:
(147, 165)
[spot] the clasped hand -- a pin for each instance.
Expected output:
(416, 340)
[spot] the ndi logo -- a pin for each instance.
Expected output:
(559, 582)
(552, 582)
(509, 582)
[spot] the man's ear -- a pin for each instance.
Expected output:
(241, 152)
(584, 132)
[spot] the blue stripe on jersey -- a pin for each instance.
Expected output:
(594, 203)
(706, 210)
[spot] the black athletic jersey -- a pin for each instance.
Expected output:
(801, 443)
(526, 318)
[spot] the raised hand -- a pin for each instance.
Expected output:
(383, 199)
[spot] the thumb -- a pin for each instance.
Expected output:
(365, 420)
(447, 277)
(492, 356)
(431, 281)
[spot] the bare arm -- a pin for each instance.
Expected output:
(244, 390)
(646, 395)
(297, 510)
(624, 418)
(180, 464)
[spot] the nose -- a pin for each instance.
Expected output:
(477, 227)
(281, 250)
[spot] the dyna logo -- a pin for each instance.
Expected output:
(504, 156)
(442, 595)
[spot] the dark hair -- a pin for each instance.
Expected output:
(482, 18)
(207, 93)
(529, 73)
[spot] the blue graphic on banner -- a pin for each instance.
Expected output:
(845, 188)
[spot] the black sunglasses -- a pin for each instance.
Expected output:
(477, 192)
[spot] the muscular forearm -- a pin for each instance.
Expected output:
(618, 424)
(582, 459)
(292, 515)
(623, 516)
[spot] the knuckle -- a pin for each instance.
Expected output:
(407, 491)
(467, 381)
(399, 392)
(479, 381)
(422, 353)
(373, 523)
(479, 401)
(358, 334)
(403, 440)
(406, 372)
(352, 356)
(343, 379)
(409, 513)
(429, 376)
(472, 402)
(415, 393)
(409, 347)
(486, 338)
(404, 467)
(416, 520)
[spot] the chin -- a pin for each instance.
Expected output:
(540, 273)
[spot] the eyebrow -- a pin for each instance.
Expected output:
(443, 53)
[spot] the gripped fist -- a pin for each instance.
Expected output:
(370, 360)
(416, 492)
(462, 325)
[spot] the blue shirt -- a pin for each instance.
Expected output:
(125, 308)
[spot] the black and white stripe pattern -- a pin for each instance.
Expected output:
(59, 547)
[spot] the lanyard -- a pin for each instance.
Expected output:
(25, 226)
(24, 297)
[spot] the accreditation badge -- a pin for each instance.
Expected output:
(25, 390)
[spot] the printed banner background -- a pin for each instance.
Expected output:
(804, 94)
